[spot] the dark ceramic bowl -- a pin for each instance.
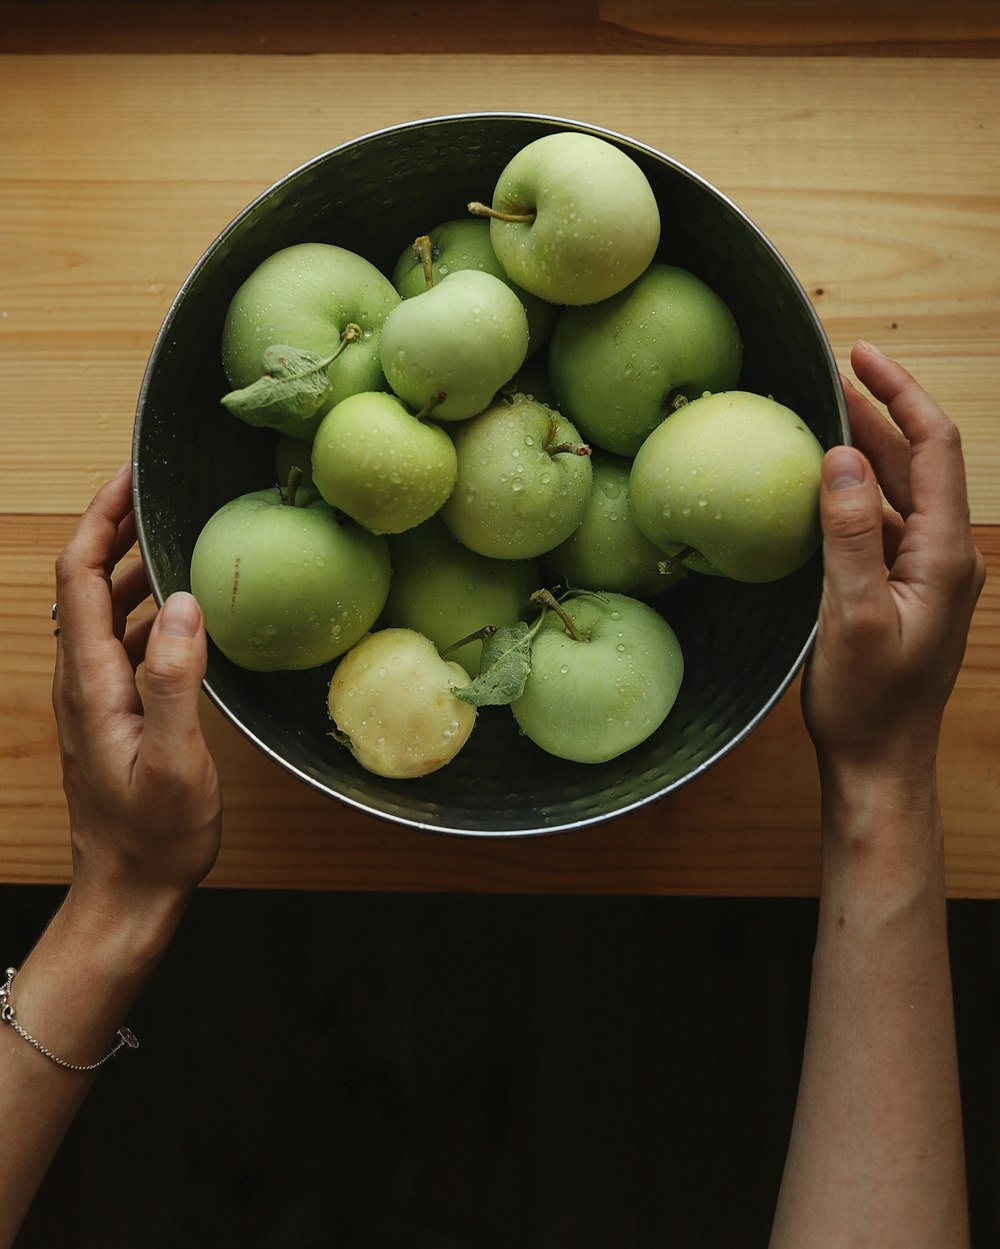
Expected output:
(743, 644)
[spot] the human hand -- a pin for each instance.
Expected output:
(900, 582)
(142, 789)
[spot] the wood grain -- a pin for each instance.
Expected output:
(967, 28)
(749, 826)
(877, 178)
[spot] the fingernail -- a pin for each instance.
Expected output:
(122, 469)
(865, 345)
(843, 468)
(180, 614)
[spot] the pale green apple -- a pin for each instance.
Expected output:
(617, 367)
(523, 480)
(444, 590)
(465, 244)
(460, 340)
(383, 466)
(603, 677)
(607, 551)
(578, 220)
(286, 586)
(305, 297)
(735, 476)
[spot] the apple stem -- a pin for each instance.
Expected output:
(669, 566)
(484, 210)
(480, 635)
(562, 448)
(431, 404)
(545, 598)
(424, 250)
(294, 477)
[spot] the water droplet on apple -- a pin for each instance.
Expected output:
(518, 484)
(615, 615)
(564, 669)
(702, 501)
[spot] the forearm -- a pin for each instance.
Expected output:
(876, 1155)
(72, 993)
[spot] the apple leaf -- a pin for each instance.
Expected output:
(504, 669)
(292, 384)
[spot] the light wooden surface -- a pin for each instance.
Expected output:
(877, 176)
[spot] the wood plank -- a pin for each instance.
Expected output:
(542, 27)
(882, 192)
(749, 826)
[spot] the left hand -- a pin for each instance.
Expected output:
(142, 789)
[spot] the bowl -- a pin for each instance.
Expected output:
(743, 643)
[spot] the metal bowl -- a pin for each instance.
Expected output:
(743, 644)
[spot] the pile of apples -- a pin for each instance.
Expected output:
(531, 400)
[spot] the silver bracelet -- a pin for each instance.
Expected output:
(126, 1037)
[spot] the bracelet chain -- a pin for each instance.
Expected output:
(126, 1037)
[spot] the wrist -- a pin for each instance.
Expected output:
(125, 933)
(882, 829)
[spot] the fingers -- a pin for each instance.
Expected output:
(83, 568)
(884, 446)
(936, 466)
(129, 589)
(851, 513)
(176, 655)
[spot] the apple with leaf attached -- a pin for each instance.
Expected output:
(301, 333)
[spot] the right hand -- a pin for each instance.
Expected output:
(900, 583)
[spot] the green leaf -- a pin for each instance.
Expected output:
(291, 385)
(504, 668)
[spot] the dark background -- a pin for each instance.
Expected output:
(443, 1072)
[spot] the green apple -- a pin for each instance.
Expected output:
(284, 585)
(306, 296)
(392, 698)
(383, 466)
(736, 477)
(607, 551)
(617, 368)
(523, 480)
(444, 590)
(465, 244)
(573, 218)
(605, 672)
(463, 338)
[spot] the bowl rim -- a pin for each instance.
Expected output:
(162, 335)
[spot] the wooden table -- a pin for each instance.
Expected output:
(860, 137)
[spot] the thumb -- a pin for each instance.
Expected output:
(176, 657)
(851, 515)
